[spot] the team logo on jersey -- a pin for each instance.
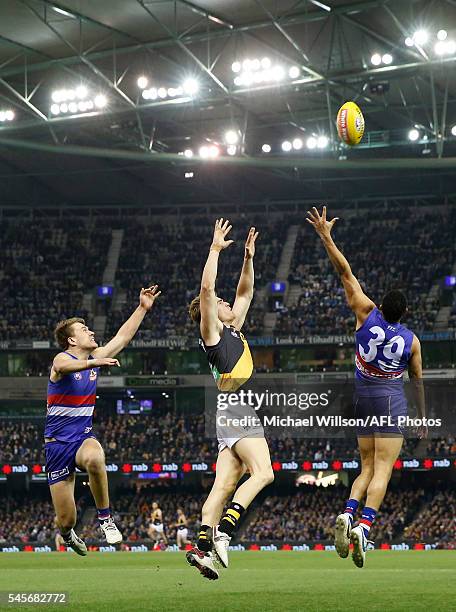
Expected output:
(77, 376)
(233, 333)
(93, 374)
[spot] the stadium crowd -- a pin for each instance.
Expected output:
(383, 256)
(46, 267)
(305, 513)
(164, 437)
(183, 247)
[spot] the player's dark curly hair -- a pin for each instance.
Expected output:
(394, 306)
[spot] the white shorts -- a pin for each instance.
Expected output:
(228, 435)
(158, 528)
(182, 534)
(226, 443)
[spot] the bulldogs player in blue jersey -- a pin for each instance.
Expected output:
(68, 437)
(384, 350)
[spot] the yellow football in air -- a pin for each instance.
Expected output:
(350, 123)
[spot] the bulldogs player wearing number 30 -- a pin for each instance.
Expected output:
(68, 437)
(384, 350)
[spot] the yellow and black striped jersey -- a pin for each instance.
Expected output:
(230, 359)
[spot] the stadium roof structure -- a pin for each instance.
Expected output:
(77, 127)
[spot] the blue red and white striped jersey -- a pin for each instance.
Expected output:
(383, 349)
(70, 405)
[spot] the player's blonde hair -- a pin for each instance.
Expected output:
(63, 331)
(194, 309)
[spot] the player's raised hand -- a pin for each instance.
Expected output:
(250, 243)
(321, 225)
(221, 230)
(148, 296)
(104, 361)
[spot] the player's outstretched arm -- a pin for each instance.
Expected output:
(356, 298)
(244, 292)
(125, 334)
(64, 364)
(210, 325)
(415, 371)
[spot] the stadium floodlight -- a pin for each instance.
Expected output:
(311, 142)
(171, 92)
(187, 175)
(73, 107)
(453, 130)
(442, 34)
(445, 47)
(7, 115)
(81, 92)
(376, 59)
(409, 42)
(420, 37)
(286, 145)
(64, 107)
(82, 106)
(279, 73)
(266, 148)
(188, 153)
(413, 135)
(236, 66)
(297, 144)
(55, 109)
(387, 58)
(231, 150)
(142, 82)
(162, 92)
(294, 72)
(213, 151)
(190, 86)
(238, 81)
(204, 152)
(231, 137)
(255, 64)
(246, 65)
(440, 47)
(322, 142)
(266, 63)
(100, 101)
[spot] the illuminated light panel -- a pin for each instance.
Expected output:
(6, 115)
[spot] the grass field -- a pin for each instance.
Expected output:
(409, 580)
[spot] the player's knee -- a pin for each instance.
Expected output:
(367, 469)
(225, 489)
(95, 463)
(265, 475)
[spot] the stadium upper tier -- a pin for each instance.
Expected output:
(50, 269)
